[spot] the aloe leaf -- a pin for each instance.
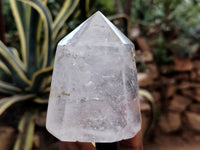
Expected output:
(8, 88)
(60, 35)
(11, 53)
(47, 52)
(8, 101)
(14, 67)
(147, 95)
(4, 68)
(40, 100)
(40, 28)
(87, 5)
(26, 128)
(4, 91)
(126, 20)
(67, 9)
(32, 49)
(16, 58)
(47, 90)
(19, 14)
(38, 77)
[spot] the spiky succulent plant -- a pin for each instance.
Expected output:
(29, 68)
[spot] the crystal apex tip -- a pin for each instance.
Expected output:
(98, 13)
(92, 22)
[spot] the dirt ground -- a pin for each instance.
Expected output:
(188, 146)
(175, 142)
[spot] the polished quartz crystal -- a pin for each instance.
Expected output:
(94, 90)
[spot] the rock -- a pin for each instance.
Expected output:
(145, 56)
(147, 77)
(193, 120)
(151, 69)
(196, 64)
(94, 89)
(182, 64)
(7, 137)
(179, 103)
(168, 81)
(193, 75)
(170, 122)
(144, 80)
(195, 108)
(152, 31)
(165, 69)
(198, 72)
(184, 85)
(134, 33)
(197, 91)
(142, 76)
(171, 90)
(187, 85)
(156, 95)
(142, 44)
(182, 76)
(191, 94)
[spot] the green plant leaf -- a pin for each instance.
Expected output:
(38, 78)
(2, 90)
(47, 52)
(26, 129)
(12, 54)
(8, 88)
(67, 9)
(60, 35)
(87, 6)
(20, 13)
(41, 101)
(8, 101)
(4, 68)
(149, 98)
(39, 35)
(16, 57)
(14, 67)
(32, 40)
(123, 17)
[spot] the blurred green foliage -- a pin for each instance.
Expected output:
(107, 7)
(11, 27)
(25, 72)
(176, 21)
(160, 53)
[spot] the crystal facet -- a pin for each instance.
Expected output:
(94, 90)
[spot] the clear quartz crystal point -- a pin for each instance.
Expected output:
(94, 90)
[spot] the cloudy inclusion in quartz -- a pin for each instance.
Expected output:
(94, 90)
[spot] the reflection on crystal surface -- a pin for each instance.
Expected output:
(94, 87)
